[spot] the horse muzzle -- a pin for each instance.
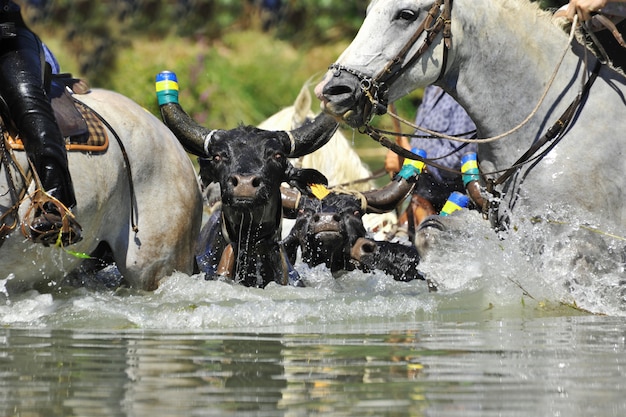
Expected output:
(344, 96)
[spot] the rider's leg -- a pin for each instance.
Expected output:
(21, 85)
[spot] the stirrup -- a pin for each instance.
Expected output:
(46, 224)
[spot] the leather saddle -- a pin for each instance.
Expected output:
(69, 118)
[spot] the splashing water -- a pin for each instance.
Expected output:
(478, 275)
(3, 286)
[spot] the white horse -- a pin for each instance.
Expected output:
(497, 58)
(162, 201)
(337, 159)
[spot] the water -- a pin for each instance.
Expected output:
(508, 334)
(557, 366)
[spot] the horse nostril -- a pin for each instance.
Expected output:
(337, 89)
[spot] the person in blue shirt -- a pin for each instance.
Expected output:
(22, 89)
(438, 112)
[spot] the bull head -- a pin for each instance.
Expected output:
(241, 241)
(195, 138)
(328, 227)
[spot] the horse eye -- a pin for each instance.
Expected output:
(406, 14)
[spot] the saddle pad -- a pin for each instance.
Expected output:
(96, 141)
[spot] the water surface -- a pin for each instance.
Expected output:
(507, 334)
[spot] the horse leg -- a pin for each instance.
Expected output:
(89, 272)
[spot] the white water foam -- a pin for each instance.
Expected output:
(478, 274)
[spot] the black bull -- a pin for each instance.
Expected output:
(330, 231)
(241, 240)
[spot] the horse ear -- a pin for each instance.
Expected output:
(302, 107)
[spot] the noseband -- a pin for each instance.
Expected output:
(376, 88)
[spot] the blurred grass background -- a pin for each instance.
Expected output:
(237, 61)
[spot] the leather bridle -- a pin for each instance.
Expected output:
(376, 88)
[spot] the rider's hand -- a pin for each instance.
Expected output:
(584, 8)
(393, 161)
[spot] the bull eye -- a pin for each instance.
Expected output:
(357, 213)
(278, 156)
(406, 15)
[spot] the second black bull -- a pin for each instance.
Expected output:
(329, 230)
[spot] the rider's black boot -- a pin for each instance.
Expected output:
(53, 222)
(22, 88)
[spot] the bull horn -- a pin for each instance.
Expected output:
(312, 135)
(387, 198)
(301, 141)
(190, 134)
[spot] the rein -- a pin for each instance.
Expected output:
(129, 174)
(556, 131)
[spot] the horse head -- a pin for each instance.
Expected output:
(400, 46)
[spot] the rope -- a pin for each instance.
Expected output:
(7, 152)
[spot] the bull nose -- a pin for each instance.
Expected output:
(326, 218)
(245, 185)
(362, 248)
(326, 222)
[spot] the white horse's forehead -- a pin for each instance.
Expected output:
(374, 38)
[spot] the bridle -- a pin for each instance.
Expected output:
(376, 88)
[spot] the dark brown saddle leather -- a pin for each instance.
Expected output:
(69, 118)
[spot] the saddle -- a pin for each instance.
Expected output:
(80, 126)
